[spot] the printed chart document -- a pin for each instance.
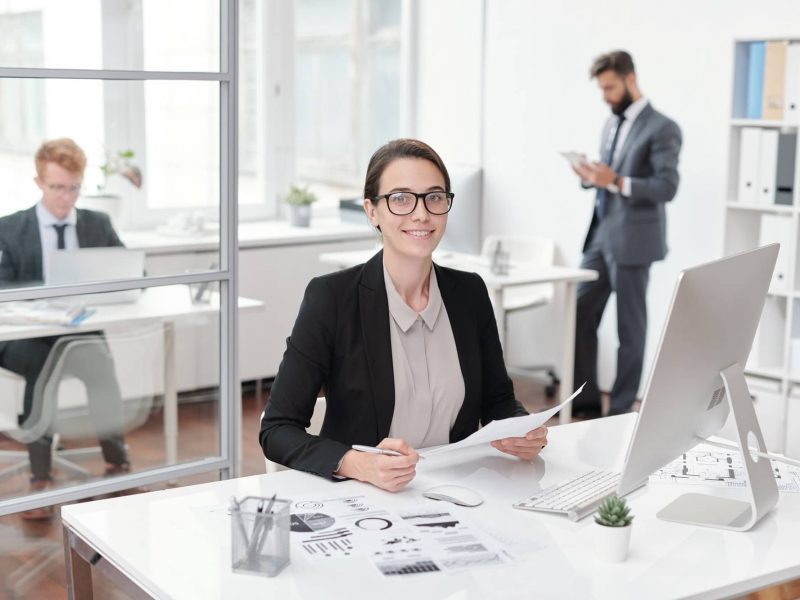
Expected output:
(712, 466)
(418, 539)
(504, 428)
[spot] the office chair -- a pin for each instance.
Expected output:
(61, 408)
(317, 417)
(535, 251)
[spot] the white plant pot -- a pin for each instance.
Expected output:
(299, 215)
(612, 543)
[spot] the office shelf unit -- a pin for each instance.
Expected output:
(763, 206)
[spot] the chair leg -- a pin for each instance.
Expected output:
(70, 467)
(79, 452)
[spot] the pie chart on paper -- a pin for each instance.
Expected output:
(307, 522)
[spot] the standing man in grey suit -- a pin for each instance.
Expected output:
(27, 238)
(636, 176)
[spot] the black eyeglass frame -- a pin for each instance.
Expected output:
(449, 195)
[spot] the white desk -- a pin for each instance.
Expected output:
(176, 543)
(165, 305)
(519, 274)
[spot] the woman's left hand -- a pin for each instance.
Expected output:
(526, 448)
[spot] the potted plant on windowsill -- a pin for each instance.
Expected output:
(613, 533)
(300, 201)
(117, 163)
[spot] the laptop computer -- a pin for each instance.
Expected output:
(96, 264)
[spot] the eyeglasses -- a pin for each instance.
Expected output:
(59, 188)
(405, 203)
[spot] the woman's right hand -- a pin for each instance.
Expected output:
(391, 473)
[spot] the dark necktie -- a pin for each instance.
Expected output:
(601, 206)
(60, 231)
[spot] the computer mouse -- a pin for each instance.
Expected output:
(457, 494)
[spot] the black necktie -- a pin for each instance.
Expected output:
(602, 193)
(60, 231)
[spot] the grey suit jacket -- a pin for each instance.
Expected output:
(636, 226)
(20, 244)
(21, 261)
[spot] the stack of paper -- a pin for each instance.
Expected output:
(43, 312)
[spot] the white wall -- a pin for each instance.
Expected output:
(539, 100)
(449, 104)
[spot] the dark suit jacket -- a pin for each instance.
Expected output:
(21, 262)
(636, 226)
(22, 248)
(341, 341)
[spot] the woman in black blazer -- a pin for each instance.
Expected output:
(341, 341)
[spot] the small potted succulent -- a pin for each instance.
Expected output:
(300, 201)
(614, 531)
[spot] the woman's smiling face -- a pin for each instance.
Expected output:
(416, 234)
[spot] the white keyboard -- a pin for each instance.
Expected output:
(575, 498)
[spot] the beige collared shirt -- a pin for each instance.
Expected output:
(428, 384)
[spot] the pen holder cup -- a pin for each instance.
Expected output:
(260, 539)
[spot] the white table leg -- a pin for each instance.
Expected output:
(170, 396)
(568, 356)
(499, 314)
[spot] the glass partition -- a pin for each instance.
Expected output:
(108, 380)
(152, 153)
(179, 35)
(102, 385)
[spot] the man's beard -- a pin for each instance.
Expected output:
(620, 107)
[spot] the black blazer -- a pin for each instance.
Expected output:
(341, 341)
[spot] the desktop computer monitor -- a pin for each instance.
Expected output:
(697, 377)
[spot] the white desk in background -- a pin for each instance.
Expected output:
(166, 305)
(177, 543)
(519, 274)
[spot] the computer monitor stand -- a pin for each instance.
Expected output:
(728, 513)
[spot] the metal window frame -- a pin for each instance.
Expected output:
(227, 463)
(346, 171)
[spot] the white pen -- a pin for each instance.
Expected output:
(374, 450)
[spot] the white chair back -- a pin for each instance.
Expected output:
(536, 251)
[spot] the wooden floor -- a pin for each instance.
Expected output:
(31, 553)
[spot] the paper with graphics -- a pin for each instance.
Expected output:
(418, 539)
(504, 428)
(711, 466)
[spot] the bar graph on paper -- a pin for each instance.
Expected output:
(708, 465)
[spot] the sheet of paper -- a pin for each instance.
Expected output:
(504, 428)
(418, 539)
(712, 466)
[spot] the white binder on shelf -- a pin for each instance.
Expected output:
(792, 448)
(777, 228)
(749, 157)
(768, 347)
(791, 88)
(767, 166)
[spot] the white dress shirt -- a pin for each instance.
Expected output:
(428, 383)
(47, 233)
(630, 116)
